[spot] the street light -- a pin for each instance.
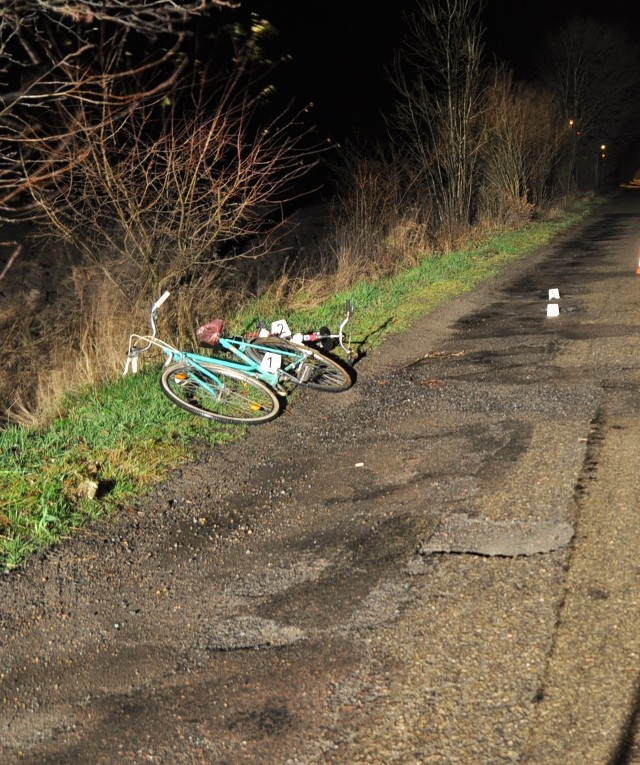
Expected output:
(601, 157)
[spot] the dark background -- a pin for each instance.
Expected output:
(340, 48)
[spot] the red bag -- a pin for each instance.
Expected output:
(209, 334)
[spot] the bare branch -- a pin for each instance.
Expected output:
(17, 249)
(148, 17)
(167, 182)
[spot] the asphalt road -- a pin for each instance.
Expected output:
(436, 566)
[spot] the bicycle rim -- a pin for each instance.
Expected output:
(227, 396)
(324, 373)
(312, 369)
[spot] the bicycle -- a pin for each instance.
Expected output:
(297, 364)
(242, 389)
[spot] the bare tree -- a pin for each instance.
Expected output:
(438, 77)
(524, 129)
(157, 194)
(594, 70)
(146, 164)
(55, 53)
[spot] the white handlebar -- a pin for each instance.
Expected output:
(160, 301)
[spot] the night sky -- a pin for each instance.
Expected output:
(516, 32)
(341, 47)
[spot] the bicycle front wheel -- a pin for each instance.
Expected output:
(221, 394)
(312, 368)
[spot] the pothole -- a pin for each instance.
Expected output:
(480, 536)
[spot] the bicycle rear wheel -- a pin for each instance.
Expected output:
(312, 368)
(221, 394)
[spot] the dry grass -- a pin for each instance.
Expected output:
(55, 341)
(66, 341)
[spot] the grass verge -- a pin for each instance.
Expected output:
(112, 441)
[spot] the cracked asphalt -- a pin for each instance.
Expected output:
(436, 566)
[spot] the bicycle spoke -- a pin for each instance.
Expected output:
(309, 368)
(221, 394)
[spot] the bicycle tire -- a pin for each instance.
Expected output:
(317, 370)
(239, 398)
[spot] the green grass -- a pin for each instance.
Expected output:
(109, 443)
(115, 440)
